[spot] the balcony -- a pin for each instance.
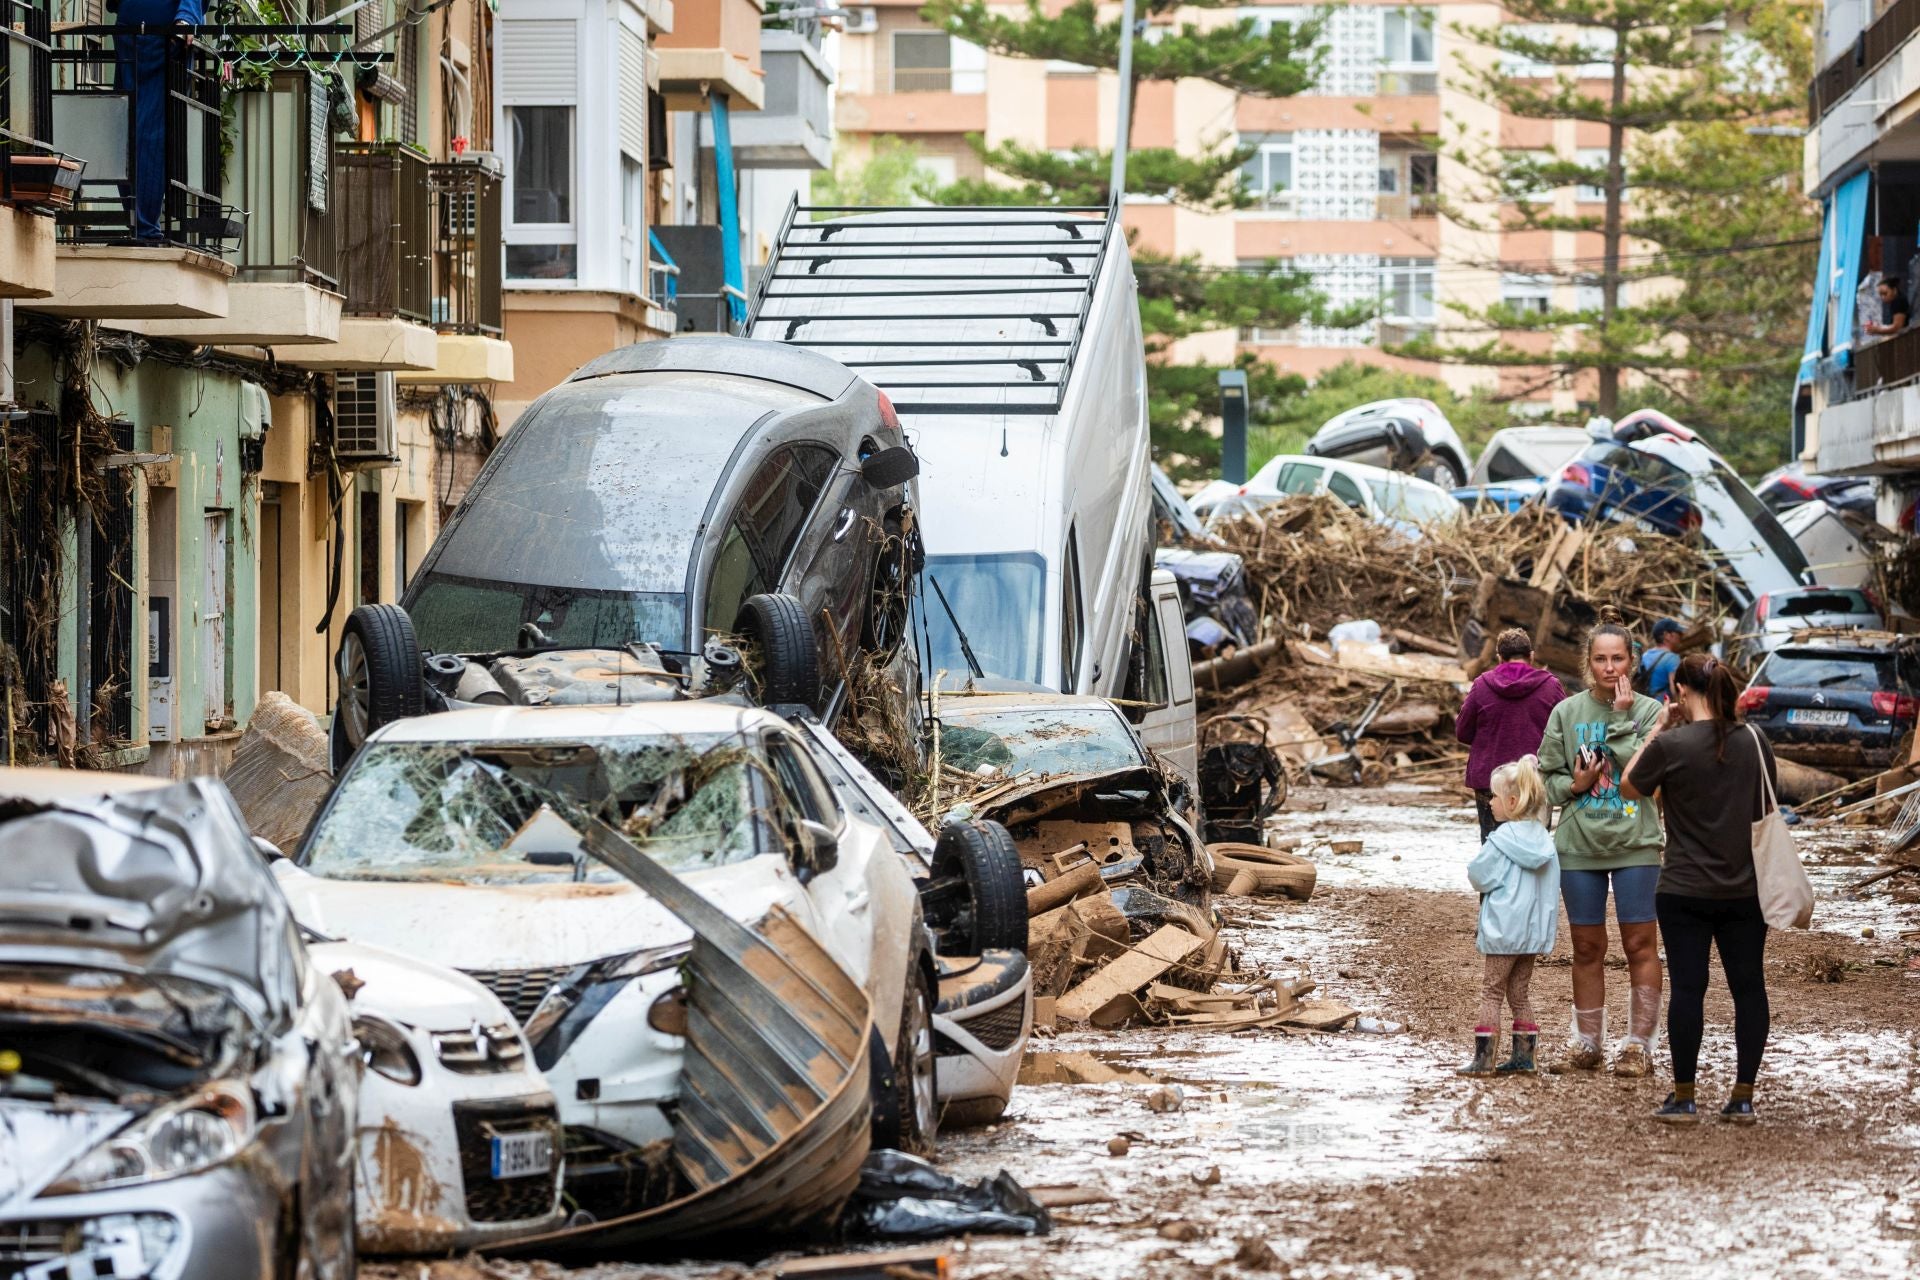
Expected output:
(467, 262)
(381, 201)
(793, 129)
(34, 181)
(1887, 32)
(147, 229)
(1404, 83)
(286, 282)
(1873, 425)
(713, 48)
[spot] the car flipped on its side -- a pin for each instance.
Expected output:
(1403, 501)
(1408, 434)
(485, 817)
(668, 499)
(178, 1079)
(1844, 702)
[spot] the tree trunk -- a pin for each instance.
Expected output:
(1611, 233)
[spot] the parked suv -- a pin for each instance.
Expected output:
(669, 501)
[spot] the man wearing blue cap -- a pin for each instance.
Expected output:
(1658, 663)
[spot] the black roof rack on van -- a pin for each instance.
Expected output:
(1009, 331)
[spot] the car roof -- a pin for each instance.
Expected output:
(539, 724)
(21, 782)
(1358, 470)
(1690, 456)
(716, 353)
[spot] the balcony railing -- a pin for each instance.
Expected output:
(466, 248)
(1874, 46)
(385, 228)
(32, 175)
(1886, 362)
(94, 115)
(1403, 83)
(1419, 204)
(281, 173)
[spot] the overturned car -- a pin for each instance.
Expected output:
(178, 1080)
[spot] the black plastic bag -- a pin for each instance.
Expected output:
(902, 1197)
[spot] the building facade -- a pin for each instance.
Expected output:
(1349, 183)
(1857, 411)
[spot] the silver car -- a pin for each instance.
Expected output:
(177, 1080)
(1774, 616)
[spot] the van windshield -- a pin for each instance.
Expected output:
(997, 599)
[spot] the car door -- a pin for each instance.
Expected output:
(831, 563)
(759, 535)
(1166, 722)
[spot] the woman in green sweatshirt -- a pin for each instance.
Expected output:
(1606, 843)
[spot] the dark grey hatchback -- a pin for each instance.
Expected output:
(667, 501)
(1842, 703)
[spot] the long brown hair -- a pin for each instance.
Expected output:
(1709, 677)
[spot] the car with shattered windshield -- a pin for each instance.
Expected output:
(178, 1079)
(461, 838)
(670, 509)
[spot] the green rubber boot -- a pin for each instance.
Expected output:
(1521, 1062)
(1482, 1064)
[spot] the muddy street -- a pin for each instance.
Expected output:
(1359, 1153)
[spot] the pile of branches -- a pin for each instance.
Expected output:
(1312, 562)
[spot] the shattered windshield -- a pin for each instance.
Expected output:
(1039, 740)
(511, 813)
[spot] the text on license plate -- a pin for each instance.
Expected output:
(1801, 715)
(522, 1155)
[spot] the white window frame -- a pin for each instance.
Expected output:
(966, 63)
(543, 233)
(1397, 54)
(1596, 158)
(1597, 41)
(1526, 290)
(1272, 144)
(1415, 270)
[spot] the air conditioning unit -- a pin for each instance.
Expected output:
(862, 22)
(363, 418)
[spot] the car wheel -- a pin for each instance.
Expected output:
(775, 627)
(380, 678)
(1443, 471)
(886, 620)
(908, 1119)
(975, 898)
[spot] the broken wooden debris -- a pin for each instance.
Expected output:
(1161, 951)
(1322, 1015)
(927, 1262)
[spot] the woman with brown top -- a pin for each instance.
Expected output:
(1712, 774)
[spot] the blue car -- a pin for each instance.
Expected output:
(1499, 496)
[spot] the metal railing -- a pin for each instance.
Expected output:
(96, 118)
(467, 251)
(281, 174)
(32, 174)
(1402, 83)
(384, 223)
(1886, 362)
(1872, 47)
(663, 278)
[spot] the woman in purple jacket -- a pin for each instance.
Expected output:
(1503, 717)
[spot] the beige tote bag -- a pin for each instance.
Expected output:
(1786, 895)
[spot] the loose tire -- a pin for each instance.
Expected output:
(976, 894)
(380, 676)
(1271, 871)
(789, 666)
(906, 1114)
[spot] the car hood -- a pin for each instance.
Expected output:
(526, 926)
(1060, 790)
(149, 882)
(406, 990)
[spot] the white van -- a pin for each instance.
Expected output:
(1009, 342)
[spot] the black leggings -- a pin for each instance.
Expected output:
(1690, 927)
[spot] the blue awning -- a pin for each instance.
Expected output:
(1816, 344)
(1849, 230)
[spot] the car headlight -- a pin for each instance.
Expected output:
(183, 1137)
(384, 1048)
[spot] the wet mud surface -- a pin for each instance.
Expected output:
(1360, 1154)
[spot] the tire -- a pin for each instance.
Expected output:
(975, 898)
(909, 1117)
(1442, 470)
(380, 674)
(885, 623)
(1271, 871)
(789, 666)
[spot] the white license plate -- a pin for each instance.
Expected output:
(522, 1155)
(1829, 719)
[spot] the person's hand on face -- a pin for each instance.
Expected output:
(1675, 717)
(1622, 692)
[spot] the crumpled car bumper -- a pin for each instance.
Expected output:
(223, 1222)
(980, 1028)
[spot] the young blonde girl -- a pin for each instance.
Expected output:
(1518, 878)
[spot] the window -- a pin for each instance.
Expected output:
(1389, 179)
(1423, 173)
(540, 233)
(765, 529)
(1406, 38)
(998, 601)
(1595, 42)
(1268, 172)
(1406, 288)
(1343, 487)
(935, 62)
(1299, 477)
(1587, 296)
(1594, 158)
(1072, 617)
(1532, 294)
(801, 783)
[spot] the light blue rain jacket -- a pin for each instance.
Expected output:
(1519, 876)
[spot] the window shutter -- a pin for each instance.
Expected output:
(319, 142)
(539, 61)
(633, 95)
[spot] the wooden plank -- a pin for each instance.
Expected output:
(1161, 951)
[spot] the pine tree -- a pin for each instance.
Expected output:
(1685, 196)
(1179, 297)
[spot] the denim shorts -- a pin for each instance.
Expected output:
(1585, 893)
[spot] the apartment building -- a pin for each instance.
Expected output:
(1857, 409)
(1348, 182)
(255, 311)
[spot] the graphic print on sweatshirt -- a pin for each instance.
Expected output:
(1605, 794)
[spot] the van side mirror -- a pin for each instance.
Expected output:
(890, 468)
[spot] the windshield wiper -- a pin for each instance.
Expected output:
(966, 650)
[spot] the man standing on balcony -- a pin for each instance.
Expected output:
(140, 67)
